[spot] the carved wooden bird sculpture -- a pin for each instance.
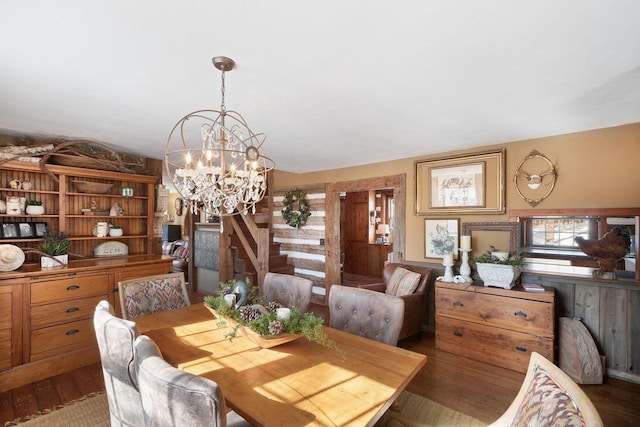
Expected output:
(612, 247)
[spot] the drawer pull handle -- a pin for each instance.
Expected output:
(72, 309)
(458, 304)
(522, 349)
(72, 331)
(457, 333)
(73, 287)
(520, 313)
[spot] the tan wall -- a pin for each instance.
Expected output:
(599, 168)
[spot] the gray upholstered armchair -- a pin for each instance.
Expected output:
(366, 313)
(414, 301)
(288, 290)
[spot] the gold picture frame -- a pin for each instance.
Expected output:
(471, 184)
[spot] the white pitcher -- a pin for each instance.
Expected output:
(101, 229)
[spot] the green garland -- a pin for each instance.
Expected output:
(296, 208)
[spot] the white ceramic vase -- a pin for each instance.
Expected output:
(498, 275)
(46, 262)
(115, 232)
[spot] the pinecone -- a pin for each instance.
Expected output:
(249, 313)
(272, 306)
(226, 290)
(275, 327)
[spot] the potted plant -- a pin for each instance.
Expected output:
(498, 269)
(54, 249)
(34, 207)
(115, 231)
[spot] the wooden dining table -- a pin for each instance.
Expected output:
(299, 383)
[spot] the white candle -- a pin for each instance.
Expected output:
(447, 259)
(283, 314)
(230, 299)
(465, 242)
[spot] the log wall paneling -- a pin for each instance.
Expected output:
(304, 246)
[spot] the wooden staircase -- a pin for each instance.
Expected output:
(243, 268)
(252, 251)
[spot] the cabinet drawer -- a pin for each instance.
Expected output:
(496, 346)
(5, 349)
(513, 313)
(60, 339)
(69, 288)
(65, 311)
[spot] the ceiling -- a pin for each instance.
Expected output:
(332, 83)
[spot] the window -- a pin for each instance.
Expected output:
(558, 232)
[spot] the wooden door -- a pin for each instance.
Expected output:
(356, 232)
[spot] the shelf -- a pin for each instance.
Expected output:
(13, 190)
(111, 196)
(139, 236)
(29, 216)
(107, 216)
(64, 205)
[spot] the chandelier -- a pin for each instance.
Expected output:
(222, 169)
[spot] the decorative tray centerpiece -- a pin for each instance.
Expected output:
(91, 187)
(265, 324)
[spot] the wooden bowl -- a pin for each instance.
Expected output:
(92, 187)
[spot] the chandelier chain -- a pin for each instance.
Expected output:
(222, 87)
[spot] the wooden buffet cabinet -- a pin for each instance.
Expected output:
(497, 326)
(46, 315)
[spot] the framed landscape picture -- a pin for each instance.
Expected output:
(472, 184)
(25, 229)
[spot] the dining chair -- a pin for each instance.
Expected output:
(548, 396)
(290, 291)
(172, 397)
(152, 294)
(116, 338)
(370, 314)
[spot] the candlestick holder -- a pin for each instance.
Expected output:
(465, 269)
(448, 273)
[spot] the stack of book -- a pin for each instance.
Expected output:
(532, 287)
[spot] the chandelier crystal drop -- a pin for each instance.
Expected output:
(215, 160)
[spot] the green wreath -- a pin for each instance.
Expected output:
(296, 208)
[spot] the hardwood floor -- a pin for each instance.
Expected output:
(474, 388)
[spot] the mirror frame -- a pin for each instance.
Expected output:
(511, 227)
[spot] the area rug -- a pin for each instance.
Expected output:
(90, 410)
(412, 410)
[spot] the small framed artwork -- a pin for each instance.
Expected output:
(472, 184)
(40, 228)
(25, 229)
(441, 237)
(9, 231)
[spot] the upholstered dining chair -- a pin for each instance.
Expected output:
(171, 397)
(548, 396)
(152, 294)
(116, 338)
(366, 313)
(288, 290)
